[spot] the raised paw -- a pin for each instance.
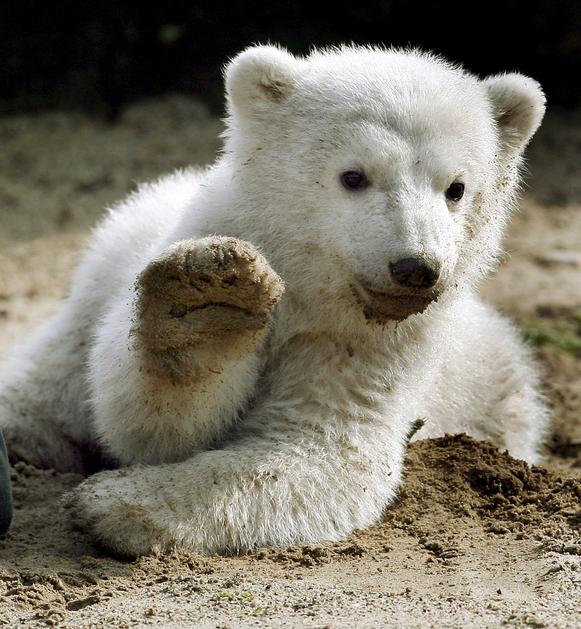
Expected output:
(201, 294)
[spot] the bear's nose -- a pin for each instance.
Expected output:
(414, 273)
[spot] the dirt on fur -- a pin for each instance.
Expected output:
(475, 539)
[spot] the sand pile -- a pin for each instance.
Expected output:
(458, 477)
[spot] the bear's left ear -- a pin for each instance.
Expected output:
(518, 104)
(261, 77)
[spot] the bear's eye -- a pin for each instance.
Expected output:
(455, 192)
(354, 180)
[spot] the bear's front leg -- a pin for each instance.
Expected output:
(174, 363)
(265, 492)
(317, 457)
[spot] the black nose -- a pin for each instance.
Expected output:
(414, 273)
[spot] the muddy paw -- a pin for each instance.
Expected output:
(112, 509)
(204, 293)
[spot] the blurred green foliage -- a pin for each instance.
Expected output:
(539, 334)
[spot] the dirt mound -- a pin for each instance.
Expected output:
(458, 477)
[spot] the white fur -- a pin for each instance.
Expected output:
(325, 403)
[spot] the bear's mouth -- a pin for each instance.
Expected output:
(381, 307)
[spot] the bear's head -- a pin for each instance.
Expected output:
(379, 178)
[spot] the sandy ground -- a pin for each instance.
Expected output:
(476, 538)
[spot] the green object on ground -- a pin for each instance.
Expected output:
(5, 491)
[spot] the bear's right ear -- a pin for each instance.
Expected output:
(518, 105)
(260, 77)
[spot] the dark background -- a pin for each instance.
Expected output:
(100, 55)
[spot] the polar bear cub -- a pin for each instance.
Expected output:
(253, 343)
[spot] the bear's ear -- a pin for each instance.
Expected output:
(259, 77)
(518, 105)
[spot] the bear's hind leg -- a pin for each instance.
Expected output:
(512, 413)
(42, 386)
(174, 364)
(522, 413)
